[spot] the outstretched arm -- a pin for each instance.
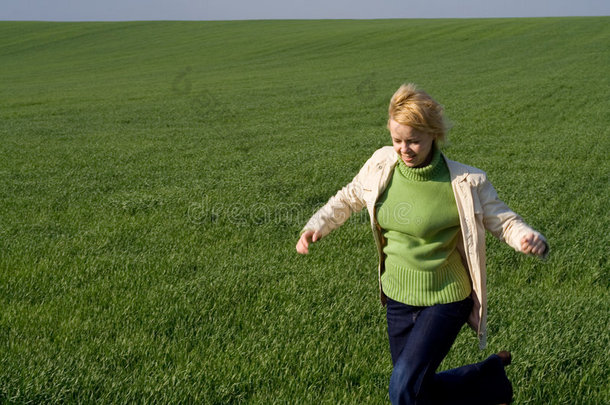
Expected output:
(508, 226)
(337, 210)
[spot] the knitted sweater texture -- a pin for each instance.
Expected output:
(420, 222)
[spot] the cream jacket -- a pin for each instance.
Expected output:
(478, 206)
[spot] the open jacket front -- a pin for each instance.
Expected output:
(478, 206)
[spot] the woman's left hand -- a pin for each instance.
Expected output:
(533, 244)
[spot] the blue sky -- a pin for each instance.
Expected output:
(108, 10)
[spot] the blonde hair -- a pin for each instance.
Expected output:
(415, 108)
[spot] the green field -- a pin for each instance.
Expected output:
(154, 177)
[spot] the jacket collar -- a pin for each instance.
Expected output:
(457, 171)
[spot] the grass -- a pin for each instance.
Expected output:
(154, 177)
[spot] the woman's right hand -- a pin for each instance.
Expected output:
(306, 238)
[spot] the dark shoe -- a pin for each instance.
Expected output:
(505, 356)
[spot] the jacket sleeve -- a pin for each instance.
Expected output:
(500, 220)
(340, 206)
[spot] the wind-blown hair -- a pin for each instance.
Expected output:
(415, 108)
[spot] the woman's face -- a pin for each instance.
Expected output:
(413, 146)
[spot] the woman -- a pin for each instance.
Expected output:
(429, 215)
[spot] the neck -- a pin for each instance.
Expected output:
(428, 158)
(423, 172)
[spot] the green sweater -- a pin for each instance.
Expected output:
(420, 222)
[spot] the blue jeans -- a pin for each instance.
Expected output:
(420, 338)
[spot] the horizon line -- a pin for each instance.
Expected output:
(307, 19)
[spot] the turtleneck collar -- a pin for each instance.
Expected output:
(422, 173)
